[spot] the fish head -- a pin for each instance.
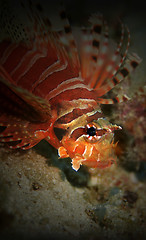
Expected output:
(91, 144)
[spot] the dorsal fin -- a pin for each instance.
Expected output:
(131, 62)
(68, 41)
(102, 57)
(34, 63)
(104, 63)
(90, 44)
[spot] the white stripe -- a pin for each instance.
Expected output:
(63, 84)
(82, 103)
(80, 123)
(22, 60)
(91, 149)
(47, 72)
(85, 150)
(8, 52)
(31, 63)
(78, 104)
(78, 139)
(52, 94)
(75, 147)
(88, 151)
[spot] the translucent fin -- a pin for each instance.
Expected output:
(114, 63)
(105, 63)
(68, 41)
(18, 133)
(102, 58)
(89, 46)
(119, 98)
(129, 66)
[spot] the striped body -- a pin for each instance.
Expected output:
(51, 90)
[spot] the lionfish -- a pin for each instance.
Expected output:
(51, 86)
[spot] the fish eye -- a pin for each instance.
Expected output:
(94, 134)
(91, 131)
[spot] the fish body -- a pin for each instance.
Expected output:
(50, 89)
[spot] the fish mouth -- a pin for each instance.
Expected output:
(92, 163)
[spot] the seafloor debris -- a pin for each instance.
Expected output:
(131, 115)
